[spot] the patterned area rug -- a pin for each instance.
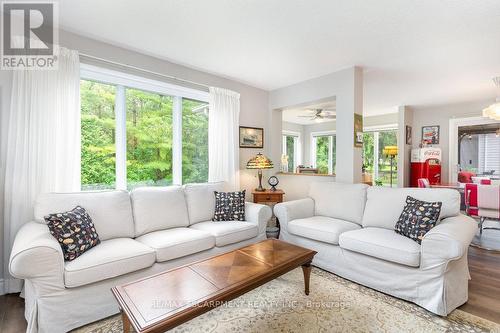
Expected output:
(334, 305)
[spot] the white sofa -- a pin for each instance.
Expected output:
(143, 232)
(351, 226)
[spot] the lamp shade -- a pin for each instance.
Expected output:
(259, 162)
(390, 150)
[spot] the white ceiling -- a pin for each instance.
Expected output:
(295, 115)
(413, 52)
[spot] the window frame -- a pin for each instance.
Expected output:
(314, 136)
(122, 81)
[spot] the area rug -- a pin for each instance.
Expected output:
(334, 305)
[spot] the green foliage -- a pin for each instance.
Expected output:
(322, 143)
(368, 150)
(149, 138)
(98, 135)
(385, 138)
(194, 143)
(290, 153)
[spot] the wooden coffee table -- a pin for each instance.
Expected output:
(166, 300)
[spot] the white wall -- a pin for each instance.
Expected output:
(346, 86)
(405, 118)
(254, 101)
(441, 115)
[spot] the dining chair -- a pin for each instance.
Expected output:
(483, 201)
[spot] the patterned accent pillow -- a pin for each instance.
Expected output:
(229, 206)
(74, 231)
(417, 218)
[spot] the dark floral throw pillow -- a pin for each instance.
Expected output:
(74, 231)
(229, 206)
(417, 218)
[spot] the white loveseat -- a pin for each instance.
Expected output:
(351, 226)
(143, 232)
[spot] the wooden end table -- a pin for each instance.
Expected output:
(268, 196)
(165, 300)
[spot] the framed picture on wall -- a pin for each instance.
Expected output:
(251, 137)
(430, 135)
(408, 135)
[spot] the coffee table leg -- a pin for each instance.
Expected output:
(306, 269)
(126, 323)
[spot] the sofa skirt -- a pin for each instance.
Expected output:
(439, 289)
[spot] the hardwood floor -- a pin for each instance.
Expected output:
(484, 293)
(484, 287)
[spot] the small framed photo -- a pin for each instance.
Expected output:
(251, 137)
(430, 135)
(358, 130)
(408, 135)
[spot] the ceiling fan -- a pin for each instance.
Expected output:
(319, 114)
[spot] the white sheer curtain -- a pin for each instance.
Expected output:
(42, 152)
(223, 133)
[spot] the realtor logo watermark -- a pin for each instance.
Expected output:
(29, 33)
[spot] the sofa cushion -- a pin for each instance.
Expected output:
(74, 231)
(228, 232)
(321, 228)
(177, 242)
(229, 206)
(417, 218)
(383, 244)
(338, 200)
(158, 208)
(109, 259)
(111, 211)
(384, 205)
(200, 200)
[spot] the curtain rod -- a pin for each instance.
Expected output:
(91, 57)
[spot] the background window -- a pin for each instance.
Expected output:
(387, 138)
(141, 132)
(375, 163)
(290, 148)
(194, 141)
(98, 135)
(324, 147)
(149, 138)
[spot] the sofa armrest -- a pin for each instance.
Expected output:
(36, 254)
(258, 214)
(449, 240)
(291, 210)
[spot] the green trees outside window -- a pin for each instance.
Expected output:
(194, 142)
(149, 138)
(98, 135)
(381, 171)
(325, 154)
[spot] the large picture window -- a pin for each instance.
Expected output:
(140, 132)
